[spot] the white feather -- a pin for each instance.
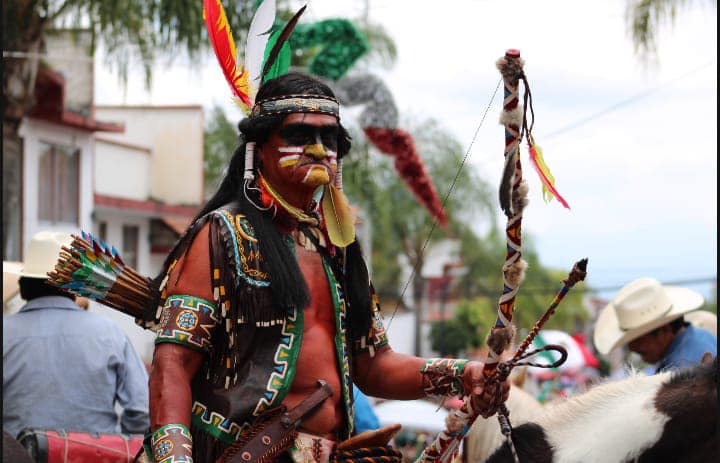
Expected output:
(257, 39)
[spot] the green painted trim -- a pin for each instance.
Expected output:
(212, 425)
(341, 345)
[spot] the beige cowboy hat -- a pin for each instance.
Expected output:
(703, 319)
(43, 253)
(638, 308)
(11, 274)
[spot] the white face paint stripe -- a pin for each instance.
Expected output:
(291, 149)
(288, 160)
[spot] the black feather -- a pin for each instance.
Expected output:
(284, 35)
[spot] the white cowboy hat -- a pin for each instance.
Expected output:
(703, 319)
(638, 308)
(43, 253)
(11, 274)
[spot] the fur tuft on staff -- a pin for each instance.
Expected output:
(90, 268)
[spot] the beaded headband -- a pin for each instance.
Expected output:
(287, 104)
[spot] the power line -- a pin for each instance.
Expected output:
(625, 102)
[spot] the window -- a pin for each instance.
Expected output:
(58, 184)
(130, 241)
(102, 231)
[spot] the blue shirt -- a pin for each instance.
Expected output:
(687, 349)
(65, 368)
(365, 417)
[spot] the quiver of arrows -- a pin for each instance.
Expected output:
(90, 268)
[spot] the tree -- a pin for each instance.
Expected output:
(131, 31)
(644, 17)
(400, 225)
(221, 140)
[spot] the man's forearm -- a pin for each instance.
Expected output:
(171, 403)
(390, 375)
(170, 394)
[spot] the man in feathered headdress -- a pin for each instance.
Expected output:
(267, 293)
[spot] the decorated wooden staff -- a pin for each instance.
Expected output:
(513, 199)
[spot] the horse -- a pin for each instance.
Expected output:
(484, 435)
(668, 417)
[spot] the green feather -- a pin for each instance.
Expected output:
(282, 62)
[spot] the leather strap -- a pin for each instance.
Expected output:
(277, 434)
(302, 409)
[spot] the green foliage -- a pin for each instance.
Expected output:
(400, 225)
(221, 140)
(644, 17)
(131, 30)
(449, 337)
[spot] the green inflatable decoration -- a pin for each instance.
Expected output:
(342, 44)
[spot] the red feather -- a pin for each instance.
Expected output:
(224, 46)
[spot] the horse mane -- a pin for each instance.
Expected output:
(598, 398)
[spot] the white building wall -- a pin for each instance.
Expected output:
(115, 221)
(122, 171)
(175, 134)
(33, 133)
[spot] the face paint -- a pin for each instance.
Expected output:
(317, 175)
(300, 134)
(299, 156)
(287, 161)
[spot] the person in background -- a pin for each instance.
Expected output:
(648, 317)
(64, 367)
(365, 417)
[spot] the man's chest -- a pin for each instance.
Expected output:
(321, 308)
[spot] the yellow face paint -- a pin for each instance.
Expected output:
(288, 161)
(317, 151)
(317, 176)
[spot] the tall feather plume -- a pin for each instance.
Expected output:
(284, 35)
(222, 41)
(339, 219)
(257, 39)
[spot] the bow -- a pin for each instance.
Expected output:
(513, 199)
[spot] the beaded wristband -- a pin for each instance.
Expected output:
(443, 377)
(171, 443)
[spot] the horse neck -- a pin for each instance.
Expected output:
(616, 420)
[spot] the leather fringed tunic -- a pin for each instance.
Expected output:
(251, 347)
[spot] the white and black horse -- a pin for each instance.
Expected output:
(669, 417)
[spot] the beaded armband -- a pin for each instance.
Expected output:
(188, 321)
(171, 443)
(443, 377)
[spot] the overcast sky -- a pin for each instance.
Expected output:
(632, 148)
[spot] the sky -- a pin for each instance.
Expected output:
(632, 146)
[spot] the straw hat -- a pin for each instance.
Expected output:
(43, 253)
(703, 319)
(638, 308)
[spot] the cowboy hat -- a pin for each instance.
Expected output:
(43, 253)
(638, 308)
(703, 319)
(11, 273)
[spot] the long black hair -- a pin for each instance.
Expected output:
(286, 280)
